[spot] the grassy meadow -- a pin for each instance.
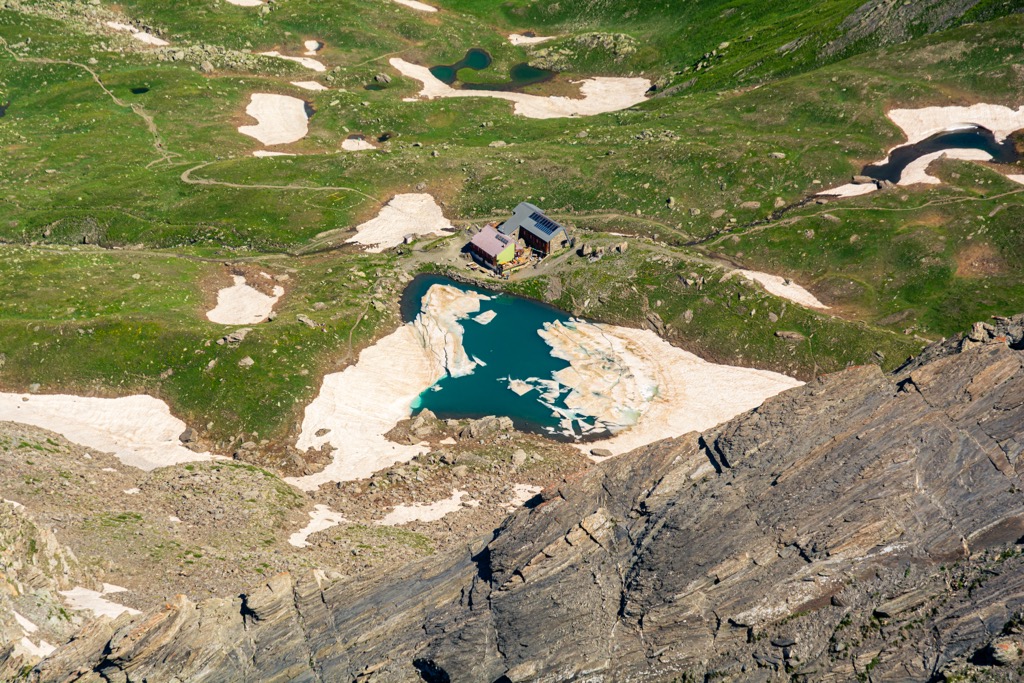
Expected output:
(99, 185)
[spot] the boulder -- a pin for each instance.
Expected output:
(235, 338)
(655, 323)
(485, 426)
(423, 425)
(1007, 651)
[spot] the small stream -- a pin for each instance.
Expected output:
(974, 137)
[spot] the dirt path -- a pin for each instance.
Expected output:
(758, 226)
(187, 178)
(166, 156)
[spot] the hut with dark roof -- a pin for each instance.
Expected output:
(529, 224)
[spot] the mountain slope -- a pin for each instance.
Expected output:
(863, 526)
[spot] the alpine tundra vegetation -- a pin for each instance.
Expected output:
(511, 340)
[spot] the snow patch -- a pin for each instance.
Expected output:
(241, 304)
(308, 62)
(310, 85)
(44, 649)
(850, 190)
(781, 287)
(359, 405)
(600, 94)
(280, 119)
(521, 494)
(139, 430)
(414, 4)
(921, 124)
(427, 512)
(83, 599)
(520, 39)
(321, 518)
(642, 389)
(26, 625)
(917, 170)
(138, 35)
(356, 145)
(405, 214)
(485, 317)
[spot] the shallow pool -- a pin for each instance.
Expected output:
(476, 59)
(973, 137)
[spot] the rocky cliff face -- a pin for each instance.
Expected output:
(34, 567)
(863, 526)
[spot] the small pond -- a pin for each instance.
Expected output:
(974, 137)
(141, 90)
(3, 109)
(507, 347)
(520, 75)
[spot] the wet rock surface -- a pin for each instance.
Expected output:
(861, 526)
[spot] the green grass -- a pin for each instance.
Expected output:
(82, 176)
(79, 321)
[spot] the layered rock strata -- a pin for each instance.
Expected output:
(863, 525)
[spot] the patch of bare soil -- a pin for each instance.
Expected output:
(262, 279)
(840, 292)
(979, 259)
(259, 278)
(897, 317)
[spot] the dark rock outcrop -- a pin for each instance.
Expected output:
(885, 22)
(863, 526)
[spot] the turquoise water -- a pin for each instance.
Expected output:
(509, 346)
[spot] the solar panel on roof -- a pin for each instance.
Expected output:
(545, 224)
